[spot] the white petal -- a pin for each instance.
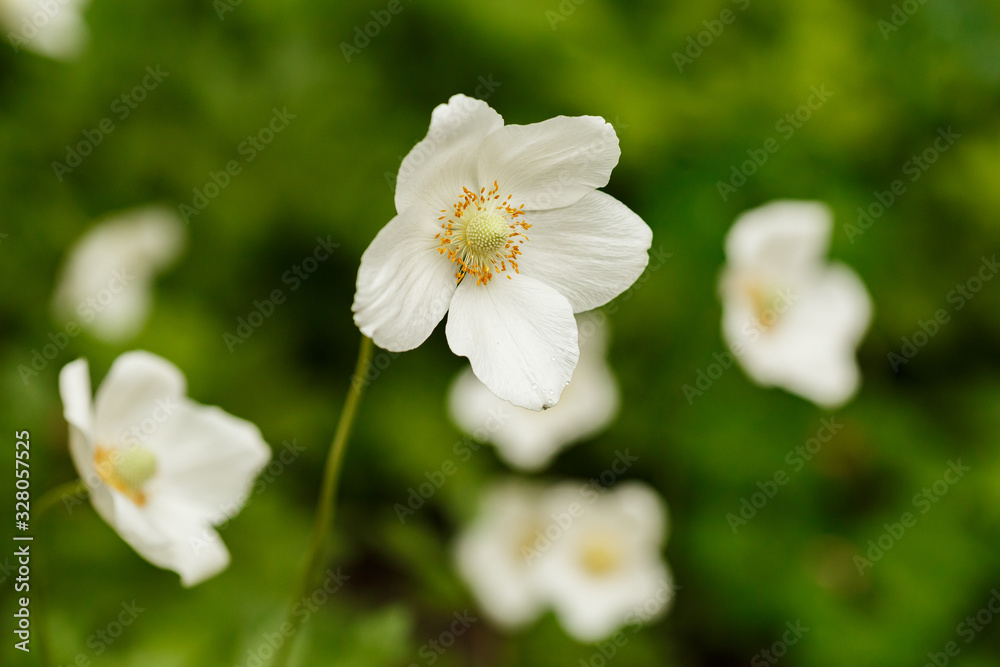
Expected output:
(527, 439)
(404, 285)
(519, 335)
(489, 555)
(201, 559)
(643, 509)
(139, 387)
(207, 460)
(124, 316)
(593, 613)
(106, 280)
(171, 536)
(550, 164)
(786, 234)
(74, 389)
(591, 251)
(63, 33)
(810, 351)
(631, 520)
(433, 174)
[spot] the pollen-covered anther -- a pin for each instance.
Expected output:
(483, 234)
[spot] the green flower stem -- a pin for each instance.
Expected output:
(48, 500)
(39, 586)
(328, 491)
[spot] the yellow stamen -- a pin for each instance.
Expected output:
(482, 234)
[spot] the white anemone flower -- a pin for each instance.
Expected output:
(53, 28)
(592, 555)
(605, 569)
(162, 470)
(527, 439)
(106, 281)
(793, 319)
(502, 227)
(490, 554)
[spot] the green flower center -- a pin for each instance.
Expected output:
(136, 467)
(126, 470)
(486, 233)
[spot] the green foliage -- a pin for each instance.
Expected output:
(329, 173)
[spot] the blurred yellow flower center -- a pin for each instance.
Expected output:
(126, 470)
(601, 556)
(768, 306)
(482, 234)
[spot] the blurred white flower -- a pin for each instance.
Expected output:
(53, 28)
(468, 198)
(605, 570)
(106, 281)
(592, 555)
(162, 470)
(490, 554)
(527, 439)
(793, 319)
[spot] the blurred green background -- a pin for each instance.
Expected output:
(681, 132)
